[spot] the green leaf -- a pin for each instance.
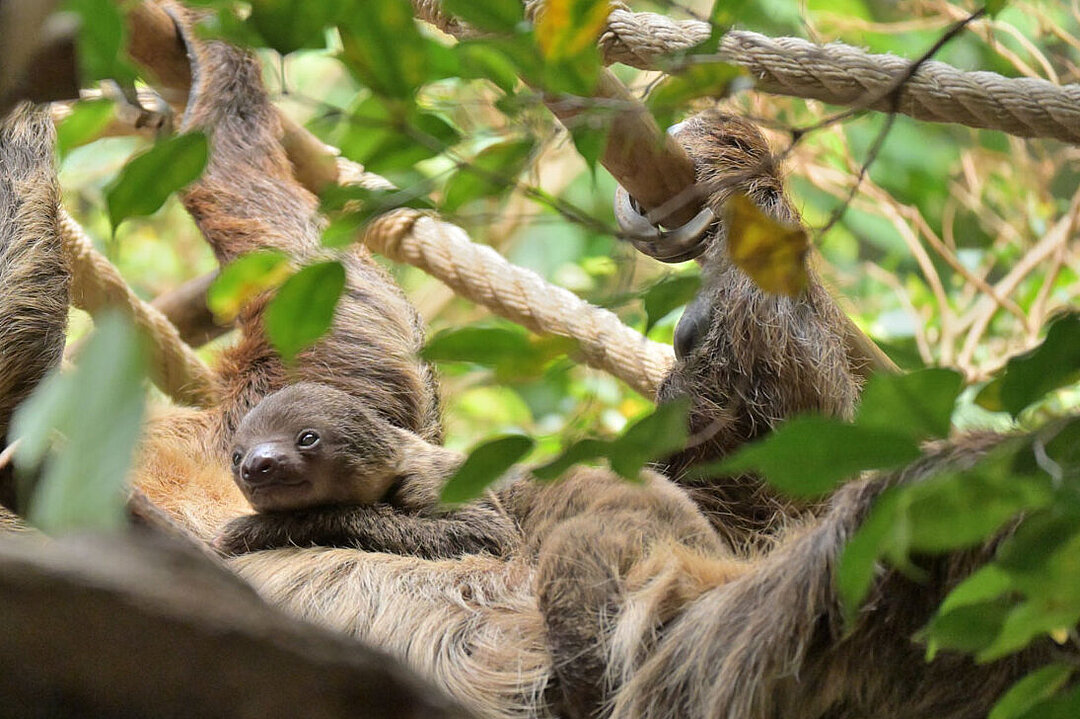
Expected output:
(384, 49)
(568, 29)
(245, 278)
(1063, 706)
(670, 292)
(948, 511)
(486, 346)
(858, 563)
(102, 43)
(147, 180)
(484, 60)
(566, 34)
(362, 205)
(491, 173)
(917, 404)
(969, 628)
(1053, 364)
(1040, 537)
(580, 451)
(712, 79)
(810, 455)
(303, 309)
(993, 7)
(653, 436)
(289, 25)
(494, 15)
(88, 119)
(387, 136)
(986, 584)
(1024, 624)
(510, 350)
(98, 409)
(954, 511)
(485, 463)
(590, 141)
(723, 15)
(1032, 689)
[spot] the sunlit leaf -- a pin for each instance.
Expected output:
(495, 15)
(148, 179)
(245, 278)
(1030, 376)
(1032, 689)
(772, 254)
(302, 310)
(711, 79)
(566, 33)
(98, 410)
(492, 172)
(88, 119)
(485, 463)
(567, 28)
(666, 295)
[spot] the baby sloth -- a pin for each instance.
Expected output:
(322, 468)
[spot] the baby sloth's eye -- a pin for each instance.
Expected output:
(236, 457)
(308, 438)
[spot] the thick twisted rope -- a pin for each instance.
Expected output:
(97, 284)
(838, 74)
(482, 275)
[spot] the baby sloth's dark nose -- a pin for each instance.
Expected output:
(261, 466)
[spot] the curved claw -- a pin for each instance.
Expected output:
(679, 245)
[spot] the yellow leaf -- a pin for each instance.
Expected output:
(1060, 635)
(771, 253)
(566, 28)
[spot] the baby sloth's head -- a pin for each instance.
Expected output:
(310, 445)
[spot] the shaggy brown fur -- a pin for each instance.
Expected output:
(33, 272)
(748, 359)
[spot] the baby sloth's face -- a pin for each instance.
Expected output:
(309, 445)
